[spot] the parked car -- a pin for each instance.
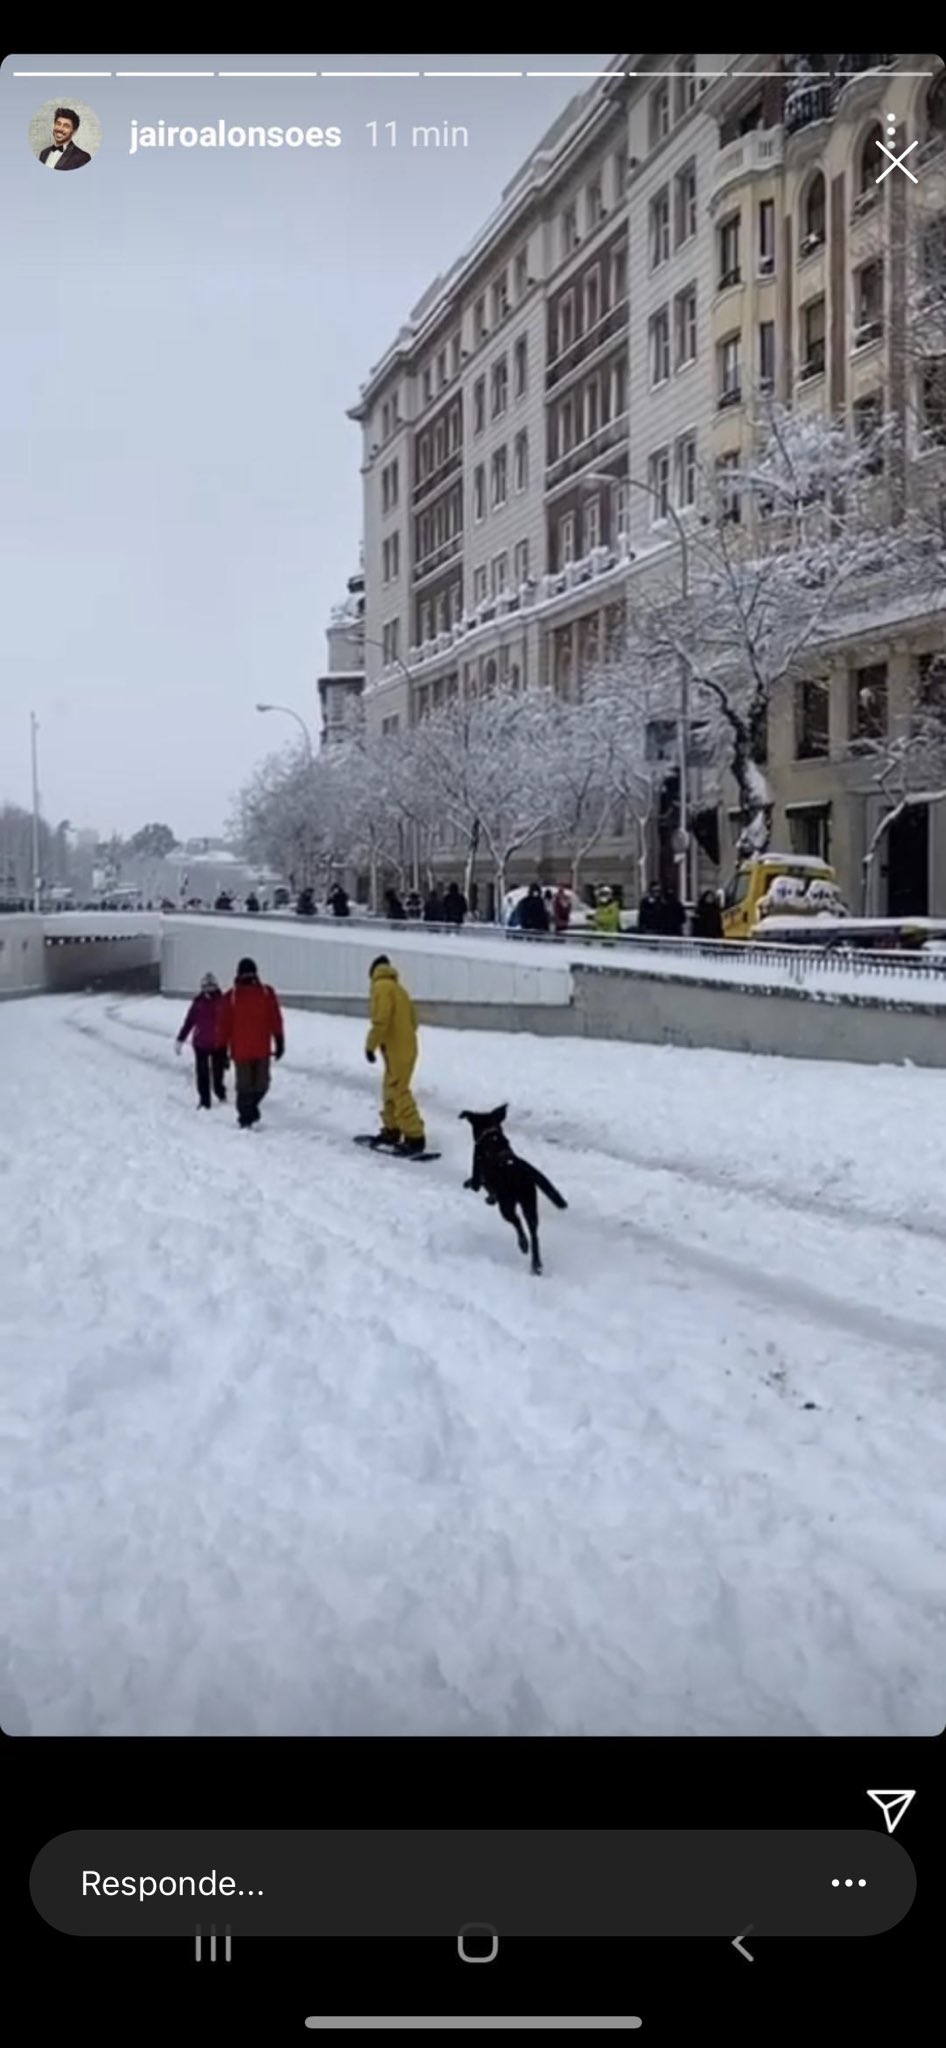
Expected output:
(778, 885)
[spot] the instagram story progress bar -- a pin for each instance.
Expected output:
(471, 2020)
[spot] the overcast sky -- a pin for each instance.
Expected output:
(183, 331)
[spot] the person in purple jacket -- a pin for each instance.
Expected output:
(204, 1025)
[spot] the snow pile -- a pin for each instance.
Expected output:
(293, 1444)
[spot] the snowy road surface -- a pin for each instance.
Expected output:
(294, 1443)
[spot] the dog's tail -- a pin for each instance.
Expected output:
(547, 1189)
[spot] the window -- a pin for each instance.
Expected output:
(389, 726)
(659, 327)
(592, 524)
(687, 88)
(620, 173)
(728, 233)
(619, 388)
(867, 711)
(480, 329)
(521, 462)
(423, 457)
(811, 720)
(766, 355)
(594, 204)
(455, 350)
(479, 586)
(931, 685)
(729, 357)
(428, 383)
(455, 427)
(390, 558)
(570, 236)
(498, 469)
(566, 322)
(813, 215)
(498, 575)
(619, 275)
(809, 829)
(622, 509)
(592, 407)
(659, 112)
(658, 477)
(441, 369)
(520, 362)
(390, 636)
(566, 540)
(868, 160)
(868, 415)
(521, 562)
(727, 486)
(766, 236)
(933, 400)
(660, 228)
(389, 487)
(684, 205)
(440, 442)
(521, 273)
(385, 421)
(868, 302)
(813, 338)
(499, 388)
(592, 299)
(500, 297)
(385, 562)
(479, 405)
(685, 471)
(684, 306)
(479, 492)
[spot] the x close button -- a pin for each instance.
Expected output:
(478, 1943)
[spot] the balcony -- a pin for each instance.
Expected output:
(437, 558)
(810, 103)
(438, 476)
(750, 156)
(869, 328)
(857, 90)
(611, 434)
(730, 397)
(579, 353)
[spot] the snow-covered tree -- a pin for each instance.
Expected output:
(578, 747)
(290, 817)
(483, 764)
(788, 538)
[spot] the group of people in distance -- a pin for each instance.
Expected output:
(244, 1028)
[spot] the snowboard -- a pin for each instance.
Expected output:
(382, 1150)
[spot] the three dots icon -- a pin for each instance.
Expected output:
(848, 1883)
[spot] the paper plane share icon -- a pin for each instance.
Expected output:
(893, 1806)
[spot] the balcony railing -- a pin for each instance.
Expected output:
(436, 558)
(810, 103)
(439, 475)
(759, 151)
(579, 351)
(609, 435)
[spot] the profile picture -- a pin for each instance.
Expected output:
(65, 136)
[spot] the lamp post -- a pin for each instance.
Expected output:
(37, 880)
(683, 721)
(288, 712)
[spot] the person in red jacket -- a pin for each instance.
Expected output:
(253, 1032)
(203, 1025)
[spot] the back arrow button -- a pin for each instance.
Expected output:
(740, 1938)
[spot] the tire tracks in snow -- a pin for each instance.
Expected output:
(679, 1244)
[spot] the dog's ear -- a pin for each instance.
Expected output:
(465, 1116)
(498, 1116)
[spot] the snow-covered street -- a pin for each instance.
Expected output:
(294, 1443)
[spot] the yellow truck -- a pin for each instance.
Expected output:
(782, 884)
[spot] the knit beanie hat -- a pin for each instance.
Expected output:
(246, 970)
(210, 986)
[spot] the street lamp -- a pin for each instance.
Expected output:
(288, 712)
(683, 725)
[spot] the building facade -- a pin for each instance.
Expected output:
(342, 683)
(682, 243)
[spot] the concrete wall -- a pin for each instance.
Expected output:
(329, 967)
(662, 1011)
(22, 964)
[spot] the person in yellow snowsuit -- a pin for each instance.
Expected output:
(607, 917)
(393, 1033)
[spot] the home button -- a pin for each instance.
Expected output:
(478, 1935)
